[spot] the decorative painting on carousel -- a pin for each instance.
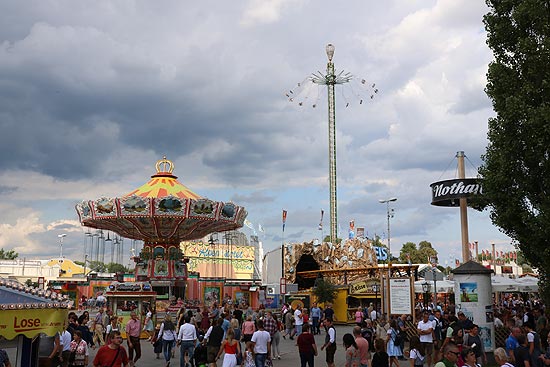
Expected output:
(161, 268)
(212, 295)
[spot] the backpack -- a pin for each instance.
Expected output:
(398, 338)
(419, 359)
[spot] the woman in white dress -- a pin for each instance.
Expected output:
(231, 348)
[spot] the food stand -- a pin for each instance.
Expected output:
(123, 298)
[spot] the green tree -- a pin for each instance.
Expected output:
(516, 164)
(8, 255)
(324, 291)
(420, 255)
(115, 268)
(408, 248)
(426, 251)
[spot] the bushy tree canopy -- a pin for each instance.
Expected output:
(8, 255)
(420, 255)
(516, 168)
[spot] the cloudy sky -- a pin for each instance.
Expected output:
(92, 94)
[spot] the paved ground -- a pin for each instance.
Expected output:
(289, 353)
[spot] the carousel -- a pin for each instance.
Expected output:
(161, 213)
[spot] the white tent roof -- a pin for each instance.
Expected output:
(443, 286)
(499, 284)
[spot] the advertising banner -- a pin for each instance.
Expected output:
(32, 322)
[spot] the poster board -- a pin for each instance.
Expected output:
(401, 296)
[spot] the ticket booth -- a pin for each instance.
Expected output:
(123, 298)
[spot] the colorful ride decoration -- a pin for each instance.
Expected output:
(162, 213)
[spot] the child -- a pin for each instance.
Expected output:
(157, 342)
(417, 353)
(200, 355)
(380, 358)
(249, 355)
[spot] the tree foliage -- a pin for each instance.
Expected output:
(8, 255)
(324, 291)
(516, 167)
(418, 255)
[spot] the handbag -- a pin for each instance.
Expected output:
(72, 357)
(268, 362)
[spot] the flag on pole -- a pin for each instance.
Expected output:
(284, 219)
(352, 225)
(321, 221)
(248, 224)
(260, 228)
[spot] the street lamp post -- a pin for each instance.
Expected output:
(389, 214)
(61, 237)
(433, 261)
(426, 288)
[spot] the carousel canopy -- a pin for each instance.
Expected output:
(162, 210)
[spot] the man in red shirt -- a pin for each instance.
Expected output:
(362, 345)
(113, 354)
(133, 331)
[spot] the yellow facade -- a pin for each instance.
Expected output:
(68, 267)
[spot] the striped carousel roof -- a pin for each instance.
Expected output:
(163, 184)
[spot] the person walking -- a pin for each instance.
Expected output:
(167, 333)
(298, 320)
(231, 348)
(113, 354)
(187, 338)
(98, 328)
(148, 326)
(133, 331)
(80, 349)
(214, 339)
(65, 339)
(248, 329)
(330, 342)
(262, 345)
(270, 325)
(392, 342)
(362, 346)
(353, 359)
(315, 313)
(425, 332)
(306, 347)
(276, 339)
(289, 324)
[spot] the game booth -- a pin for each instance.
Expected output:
(123, 298)
(26, 314)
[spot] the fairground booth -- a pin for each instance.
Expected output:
(26, 314)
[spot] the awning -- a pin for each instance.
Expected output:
(363, 296)
(443, 286)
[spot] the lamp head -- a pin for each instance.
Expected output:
(330, 51)
(62, 235)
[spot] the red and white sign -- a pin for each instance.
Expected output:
(283, 286)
